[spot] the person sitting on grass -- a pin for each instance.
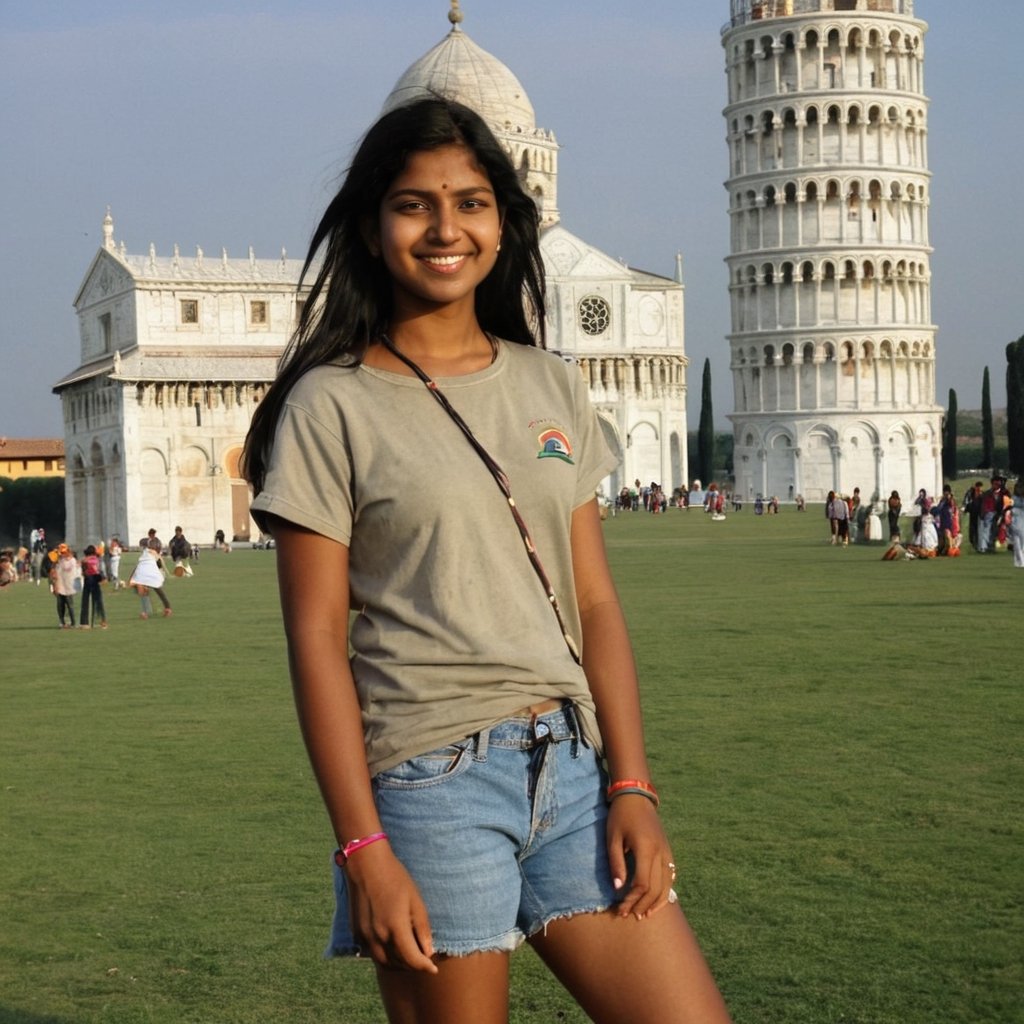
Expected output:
(181, 552)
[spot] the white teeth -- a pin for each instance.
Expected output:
(442, 261)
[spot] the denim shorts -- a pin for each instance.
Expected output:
(502, 832)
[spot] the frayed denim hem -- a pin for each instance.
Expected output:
(564, 915)
(507, 943)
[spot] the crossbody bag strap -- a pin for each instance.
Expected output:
(501, 479)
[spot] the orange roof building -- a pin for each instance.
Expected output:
(24, 457)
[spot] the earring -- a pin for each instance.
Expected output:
(497, 248)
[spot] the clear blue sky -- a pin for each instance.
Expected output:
(225, 123)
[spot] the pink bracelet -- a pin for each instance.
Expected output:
(342, 855)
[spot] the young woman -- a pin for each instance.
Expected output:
(92, 589)
(895, 507)
(149, 576)
(947, 513)
(65, 573)
(460, 752)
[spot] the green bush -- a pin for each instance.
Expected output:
(28, 503)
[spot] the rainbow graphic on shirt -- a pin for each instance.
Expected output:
(555, 445)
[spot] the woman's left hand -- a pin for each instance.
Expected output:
(634, 827)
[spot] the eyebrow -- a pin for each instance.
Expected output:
(421, 193)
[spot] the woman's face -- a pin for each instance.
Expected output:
(438, 229)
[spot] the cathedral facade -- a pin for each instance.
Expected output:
(175, 354)
(832, 342)
(177, 350)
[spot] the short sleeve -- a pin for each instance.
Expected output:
(309, 477)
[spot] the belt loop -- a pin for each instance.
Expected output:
(480, 741)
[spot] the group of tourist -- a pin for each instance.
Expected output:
(992, 515)
(98, 568)
(765, 506)
(838, 511)
(996, 517)
(649, 497)
(25, 563)
(935, 527)
(70, 575)
(713, 501)
(995, 522)
(849, 518)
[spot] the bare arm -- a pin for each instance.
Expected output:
(633, 824)
(388, 915)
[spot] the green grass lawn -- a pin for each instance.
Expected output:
(837, 741)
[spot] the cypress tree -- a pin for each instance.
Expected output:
(1015, 405)
(988, 443)
(706, 430)
(949, 439)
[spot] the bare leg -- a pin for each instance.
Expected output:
(466, 990)
(625, 971)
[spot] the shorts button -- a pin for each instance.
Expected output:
(541, 730)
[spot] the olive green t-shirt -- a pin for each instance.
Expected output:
(454, 631)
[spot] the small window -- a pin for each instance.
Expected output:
(595, 315)
(190, 311)
(106, 331)
(258, 313)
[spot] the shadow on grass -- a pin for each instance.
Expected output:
(11, 1016)
(35, 628)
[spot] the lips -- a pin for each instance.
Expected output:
(444, 264)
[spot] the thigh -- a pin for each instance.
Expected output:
(625, 971)
(466, 990)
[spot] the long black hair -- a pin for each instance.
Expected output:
(349, 301)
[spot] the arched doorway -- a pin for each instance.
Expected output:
(241, 529)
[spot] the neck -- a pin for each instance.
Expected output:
(438, 338)
(460, 350)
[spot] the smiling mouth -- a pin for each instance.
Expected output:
(444, 262)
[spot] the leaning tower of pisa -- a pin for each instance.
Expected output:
(832, 342)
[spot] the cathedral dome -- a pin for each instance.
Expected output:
(458, 69)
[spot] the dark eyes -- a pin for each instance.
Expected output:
(416, 205)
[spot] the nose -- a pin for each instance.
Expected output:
(445, 227)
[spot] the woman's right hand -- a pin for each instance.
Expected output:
(389, 917)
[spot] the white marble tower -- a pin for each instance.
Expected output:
(832, 343)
